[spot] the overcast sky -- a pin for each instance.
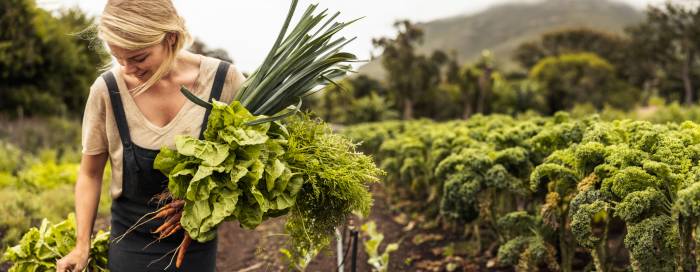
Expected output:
(246, 29)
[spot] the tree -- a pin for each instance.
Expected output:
(199, 47)
(88, 56)
(475, 84)
(44, 68)
(606, 45)
(485, 81)
(409, 75)
(668, 41)
(581, 78)
(352, 100)
(466, 79)
(364, 85)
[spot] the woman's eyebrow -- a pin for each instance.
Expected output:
(131, 57)
(138, 55)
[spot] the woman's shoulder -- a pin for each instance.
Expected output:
(211, 64)
(98, 96)
(98, 89)
(234, 77)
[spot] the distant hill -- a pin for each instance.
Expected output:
(502, 28)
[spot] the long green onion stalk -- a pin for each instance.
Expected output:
(298, 63)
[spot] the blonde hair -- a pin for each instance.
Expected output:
(136, 24)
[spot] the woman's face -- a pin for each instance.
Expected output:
(140, 63)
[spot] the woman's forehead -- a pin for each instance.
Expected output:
(123, 53)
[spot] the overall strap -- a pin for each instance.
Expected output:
(219, 80)
(117, 108)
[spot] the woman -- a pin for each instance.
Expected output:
(133, 110)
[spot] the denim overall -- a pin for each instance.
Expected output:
(140, 184)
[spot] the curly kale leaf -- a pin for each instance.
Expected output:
(582, 220)
(528, 253)
(629, 180)
(653, 244)
(516, 160)
(604, 133)
(517, 223)
(468, 159)
(564, 177)
(499, 178)
(688, 201)
(622, 156)
(509, 253)
(642, 204)
(459, 201)
(589, 156)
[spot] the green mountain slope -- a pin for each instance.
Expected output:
(502, 28)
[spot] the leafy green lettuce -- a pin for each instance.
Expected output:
(248, 173)
(41, 247)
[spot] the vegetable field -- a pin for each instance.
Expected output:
(490, 193)
(576, 149)
(555, 194)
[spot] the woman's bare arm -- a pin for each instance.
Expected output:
(87, 195)
(87, 199)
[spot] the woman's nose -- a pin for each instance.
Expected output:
(129, 68)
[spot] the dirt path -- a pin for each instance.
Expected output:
(258, 250)
(434, 249)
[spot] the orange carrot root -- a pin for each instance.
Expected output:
(162, 228)
(169, 209)
(169, 222)
(174, 217)
(170, 231)
(183, 248)
(165, 213)
(177, 204)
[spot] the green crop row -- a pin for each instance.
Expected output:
(538, 193)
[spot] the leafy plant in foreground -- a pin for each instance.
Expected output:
(41, 247)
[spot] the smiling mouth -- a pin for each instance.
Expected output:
(141, 75)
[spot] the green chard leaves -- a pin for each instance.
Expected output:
(41, 247)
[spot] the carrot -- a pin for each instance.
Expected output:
(165, 213)
(176, 204)
(170, 231)
(174, 218)
(169, 222)
(181, 252)
(169, 208)
(162, 228)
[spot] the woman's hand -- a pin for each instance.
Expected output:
(75, 261)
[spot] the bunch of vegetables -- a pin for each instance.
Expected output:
(41, 247)
(250, 167)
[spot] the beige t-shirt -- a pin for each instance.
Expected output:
(99, 129)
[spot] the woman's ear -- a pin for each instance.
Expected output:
(171, 39)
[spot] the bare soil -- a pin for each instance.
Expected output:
(420, 249)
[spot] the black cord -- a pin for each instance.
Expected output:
(355, 235)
